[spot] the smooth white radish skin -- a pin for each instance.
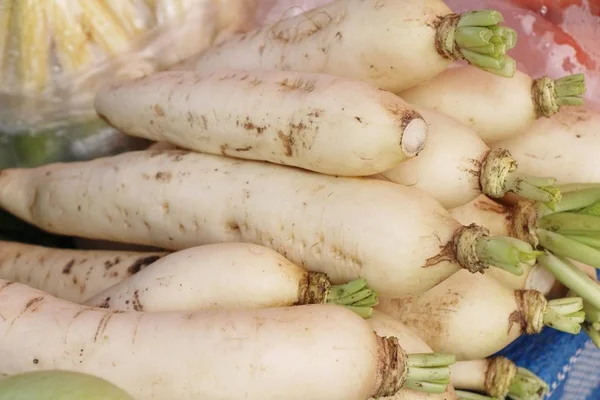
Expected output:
(304, 352)
(402, 243)
(390, 44)
(564, 146)
(469, 315)
(73, 275)
(496, 108)
(218, 276)
(386, 326)
(449, 166)
(320, 122)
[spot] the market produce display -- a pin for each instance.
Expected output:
(332, 209)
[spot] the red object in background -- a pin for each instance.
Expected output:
(552, 10)
(555, 37)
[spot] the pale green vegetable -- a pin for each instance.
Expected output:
(59, 385)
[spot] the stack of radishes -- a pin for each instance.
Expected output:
(335, 162)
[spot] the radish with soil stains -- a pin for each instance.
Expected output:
(203, 355)
(73, 275)
(386, 326)
(571, 230)
(564, 146)
(58, 385)
(474, 316)
(456, 166)
(320, 122)
(230, 276)
(318, 222)
(494, 107)
(390, 44)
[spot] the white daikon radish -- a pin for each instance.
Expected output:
(229, 276)
(474, 316)
(320, 122)
(494, 107)
(58, 385)
(566, 231)
(497, 377)
(563, 146)
(386, 326)
(73, 275)
(391, 44)
(456, 166)
(397, 238)
(305, 352)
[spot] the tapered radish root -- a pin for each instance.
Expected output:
(316, 221)
(230, 276)
(63, 385)
(203, 355)
(563, 146)
(390, 44)
(468, 315)
(569, 230)
(73, 275)
(456, 166)
(497, 377)
(322, 123)
(494, 107)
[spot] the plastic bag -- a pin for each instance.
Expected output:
(54, 54)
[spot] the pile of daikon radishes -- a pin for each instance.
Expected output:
(340, 212)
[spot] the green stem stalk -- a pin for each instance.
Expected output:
(549, 95)
(429, 372)
(568, 223)
(572, 277)
(592, 333)
(527, 386)
(469, 35)
(574, 197)
(587, 240)
(562, 323)
(565, 247)
(510, 66)
(533, 188)
(426, 387)
(465, 395)
(506, 253)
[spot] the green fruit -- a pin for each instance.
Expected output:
(59, 385)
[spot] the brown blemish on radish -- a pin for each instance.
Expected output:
(163, 177)
(140, 264)
(166, 207)
(158, 111)
(287, 141)
(102, 324)
(446, 254)
(298, 84)
(109, 264)
(105, 303)
(67, 268)
(31, 304)
(7, 284)
(137, 306)
(224, 149)
(241, 149)
(255, 82)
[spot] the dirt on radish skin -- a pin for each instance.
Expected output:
(73, 275)
(194, 199)
(201, 356)
(322, 123)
